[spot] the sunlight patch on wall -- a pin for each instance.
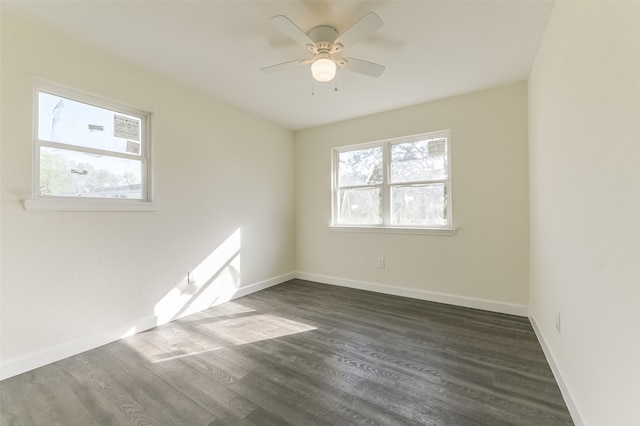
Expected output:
(214, 280)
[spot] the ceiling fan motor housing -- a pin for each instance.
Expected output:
(323, 33)
(324, 37)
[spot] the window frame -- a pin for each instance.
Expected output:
(387, 185)
(42, 202)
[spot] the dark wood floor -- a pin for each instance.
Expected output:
(303, 354)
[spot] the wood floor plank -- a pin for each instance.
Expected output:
(38, 399)
(150, 390)
(303, 353)
(277, 400)
(207, 393)
(194, 350)
(305, 386)
(102, 396)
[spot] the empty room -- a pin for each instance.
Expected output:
(320, 212)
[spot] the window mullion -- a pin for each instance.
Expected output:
(88, 150)
(371, 185)
(420, 182)
(386, 191)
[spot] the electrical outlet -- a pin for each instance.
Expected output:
(558, 324)
(381, 262)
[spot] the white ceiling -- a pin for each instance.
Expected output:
(432, 49)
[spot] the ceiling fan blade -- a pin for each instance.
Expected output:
(285, 25)
(367, 25)
(362, 67)
(283, 66)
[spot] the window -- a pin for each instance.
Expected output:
(398, 183)
(89, 149)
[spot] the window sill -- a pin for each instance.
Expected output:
(396, 230)
(86, 205)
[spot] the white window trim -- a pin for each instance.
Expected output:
(386, 144)
(394, 230)
(39, 202)
(69, 204)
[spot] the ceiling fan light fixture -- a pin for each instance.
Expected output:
(323, 69)
(323, 42)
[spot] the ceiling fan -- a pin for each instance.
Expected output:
(324, 42)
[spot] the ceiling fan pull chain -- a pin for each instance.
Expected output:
(313, 86)
(335, 81)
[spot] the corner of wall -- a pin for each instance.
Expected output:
(572, 404)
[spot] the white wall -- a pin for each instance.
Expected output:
(486, 263)
(584, 128)
(73, 280)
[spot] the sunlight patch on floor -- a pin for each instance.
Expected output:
(254, 328)
(225, 326)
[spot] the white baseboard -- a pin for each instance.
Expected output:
(47, 356)
(468, 302)
(572, 404)
(248, 289)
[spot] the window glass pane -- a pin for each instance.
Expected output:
(77, 174)
(359, 206)
(419, 161)
(361, 167)
(75, 123)
(419, 205)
